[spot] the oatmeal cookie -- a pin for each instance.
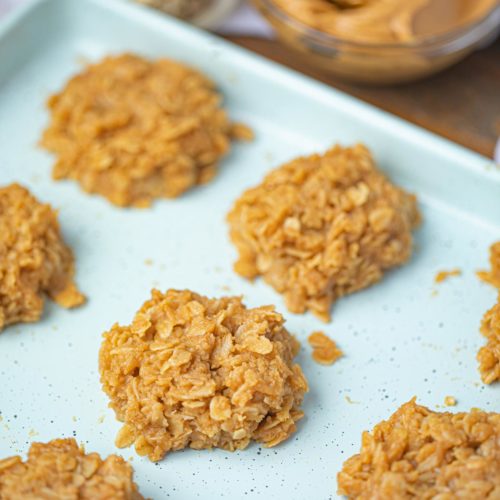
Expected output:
(493, 276)
(419, 453)
(321, 227)
(199, 372)
(133, 130)
(489, 355)
(61, 470)
(34, 260)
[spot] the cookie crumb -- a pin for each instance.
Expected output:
(242, 132)
(450, 401)
(444, 275)
(325, 350)
(351, 401)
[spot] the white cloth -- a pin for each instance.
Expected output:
(246, 21)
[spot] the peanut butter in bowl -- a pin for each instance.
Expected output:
(383, 41)
(386, 21)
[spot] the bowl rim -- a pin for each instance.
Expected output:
(421, 43)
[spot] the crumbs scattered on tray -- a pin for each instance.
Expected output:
(352, 402)
(325, 350)
(444, 275)
(450, 401)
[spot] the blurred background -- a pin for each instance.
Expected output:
(435, 63)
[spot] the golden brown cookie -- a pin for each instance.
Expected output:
(133, 130)
(419, 453)
(61, 470)
(34, 260)
(489, 355)
(197, 372)
(323, 226)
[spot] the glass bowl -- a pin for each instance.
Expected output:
(386, 63)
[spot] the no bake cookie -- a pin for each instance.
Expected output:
(197, 372)
(419, 453)
(322, 226)
(60, 469)
(34, 260)
(133, 130)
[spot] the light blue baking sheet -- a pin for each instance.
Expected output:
(400, 338)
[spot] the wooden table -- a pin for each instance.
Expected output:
(461, 104)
